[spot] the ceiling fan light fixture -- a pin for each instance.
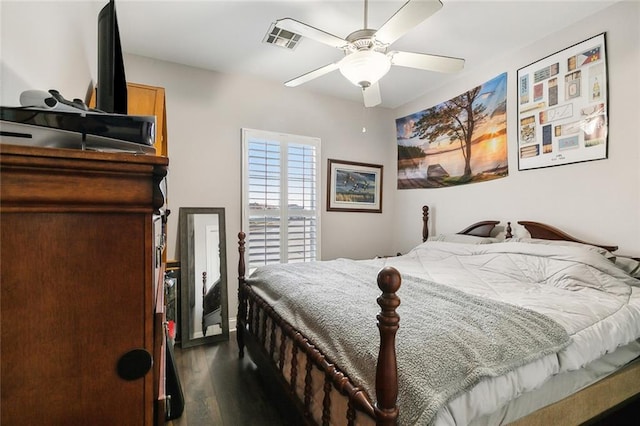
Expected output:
(365, 67)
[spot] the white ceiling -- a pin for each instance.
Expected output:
(226, 36)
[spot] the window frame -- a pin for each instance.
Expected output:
(284, 140)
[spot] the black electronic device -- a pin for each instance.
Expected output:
(76, 128)
(111, 91)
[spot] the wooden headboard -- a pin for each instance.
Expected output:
(478, 229)
(548, 232)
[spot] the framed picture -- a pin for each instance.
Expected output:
(562, 107)
(354, 187)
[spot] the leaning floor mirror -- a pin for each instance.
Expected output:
(203, 259)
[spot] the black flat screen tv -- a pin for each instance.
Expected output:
(111, 91)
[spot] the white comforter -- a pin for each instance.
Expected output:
(597, 303)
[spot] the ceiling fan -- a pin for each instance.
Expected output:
(366, 57)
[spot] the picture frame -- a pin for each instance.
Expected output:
(354, 187)
(563, 107)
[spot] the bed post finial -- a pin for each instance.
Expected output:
(509, 233)
(385, 408)
(242, 300)
(425, 220)
(241, 265)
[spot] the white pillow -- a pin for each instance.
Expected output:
(630, 266)
(462, 238)
(607, 254)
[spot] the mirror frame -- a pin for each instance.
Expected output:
(188, 276)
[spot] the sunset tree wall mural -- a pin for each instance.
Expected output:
(462, 140)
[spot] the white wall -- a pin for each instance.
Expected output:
(47, 45)
(598, 200)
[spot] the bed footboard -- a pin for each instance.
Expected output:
(285, 350)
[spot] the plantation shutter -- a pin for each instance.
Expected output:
(280, 197)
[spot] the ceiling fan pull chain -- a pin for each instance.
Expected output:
(364, 119)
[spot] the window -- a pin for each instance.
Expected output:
(281, 200)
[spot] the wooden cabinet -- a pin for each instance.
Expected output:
(147, 100)
(79, 286)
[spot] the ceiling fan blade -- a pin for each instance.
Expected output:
(371, 95)
(310, 32)
(311, 75)
(408, 16)
(426, 62)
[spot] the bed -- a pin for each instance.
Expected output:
(532, 363)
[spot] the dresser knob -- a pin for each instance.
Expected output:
(134, 364)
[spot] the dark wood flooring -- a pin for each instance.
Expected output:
(221, 389)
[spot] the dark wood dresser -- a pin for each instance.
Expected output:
(81, 287)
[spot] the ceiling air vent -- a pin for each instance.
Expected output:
(283, 38)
